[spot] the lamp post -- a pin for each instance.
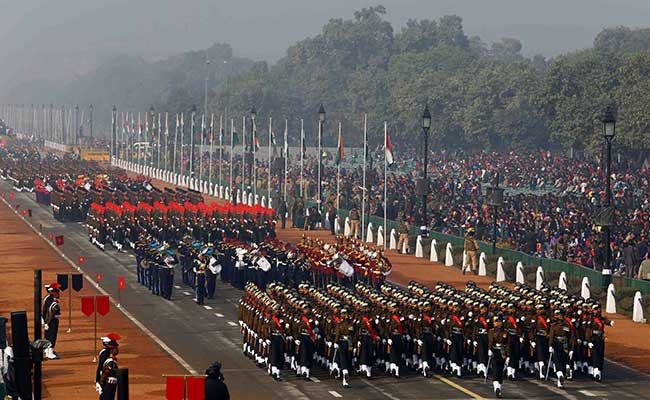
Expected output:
(321, 123)
(609, 132)
(424, 185)
(251, 149)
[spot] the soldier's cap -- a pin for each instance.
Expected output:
(110, 340)
(53, 287)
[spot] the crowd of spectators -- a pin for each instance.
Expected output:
(550, 199)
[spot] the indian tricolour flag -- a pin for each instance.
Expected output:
(339, 152)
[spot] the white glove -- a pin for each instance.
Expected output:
(98, 388)
(448, 341)
(469, 342)
(579, 342)
(551, 350)
(507, 362)
(571, 354)
(383, 341)
(297, 342)
(46, 327)
(419, 343)
(390, 342)
(329, 344)
(490, 353)
(268, 342)
(532, 344)
(591, 345)
(358, 344)
(521, 340)
(408, 337)
(336, 345)
(611, 323)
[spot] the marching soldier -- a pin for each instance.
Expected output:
(498, 352)
(51, 312)
(560, 340)
(595, 339)
(343, 345)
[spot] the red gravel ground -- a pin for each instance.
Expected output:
(22, 251)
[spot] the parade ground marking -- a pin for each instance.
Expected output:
(207, 307)
(458, 387)
(219, 315)
(176, 287)
(187, 293)
(232, 323)
(314, 379)
(335, 393)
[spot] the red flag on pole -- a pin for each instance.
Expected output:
(82, 259)
(121, 283)
(59, 240)
(87, 305)
(11, 195)
(175, 388)
(195, 387)
(103, 305)
(99, 277)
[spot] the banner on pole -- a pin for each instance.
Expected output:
(121, 283)
(99, 277)
(88, 305)
(175, 388)
(195, 387)
(82, 259)
(103, 305)
(77, 282)
(62, 279)
(59, 240)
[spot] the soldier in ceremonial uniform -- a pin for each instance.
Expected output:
(343, 345)
(305, 338)
(200, 266)
(560, 340)
(109, 342)
(595, 339)
(108, 377)
(498, 338)
(50, 314)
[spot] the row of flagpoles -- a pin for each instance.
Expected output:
(140, 132)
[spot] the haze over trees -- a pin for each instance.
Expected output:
(482, 96)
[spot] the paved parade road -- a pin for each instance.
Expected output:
(198, 335)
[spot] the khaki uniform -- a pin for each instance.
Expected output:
(403, 231)
(355, 224)
(471, 259)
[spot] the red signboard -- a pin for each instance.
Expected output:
(88, 305)
(59, 240)
(103, 305)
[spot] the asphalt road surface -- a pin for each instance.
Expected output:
(199, 335)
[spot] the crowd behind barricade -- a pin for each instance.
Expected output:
(550, 199)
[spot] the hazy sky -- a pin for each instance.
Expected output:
(42, 39)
